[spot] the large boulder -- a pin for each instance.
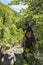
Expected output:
(8, 59)
(9, 56)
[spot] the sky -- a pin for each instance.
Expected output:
(16, 8)
(5, 1)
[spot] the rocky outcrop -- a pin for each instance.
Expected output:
(9, 57)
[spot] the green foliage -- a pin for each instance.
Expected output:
(9, 33)
(12, 26)
(33, 16)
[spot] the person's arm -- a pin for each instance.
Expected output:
(33, 39)
(23, 42)
(33, 42)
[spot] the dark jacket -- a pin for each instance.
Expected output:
(27, 42)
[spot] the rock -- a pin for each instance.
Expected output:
(8, 59)
(18, 49)
(8, 46)
(1, 52)
(9, 56)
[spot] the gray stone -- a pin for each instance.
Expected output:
(8, 57)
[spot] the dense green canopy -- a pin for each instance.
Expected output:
(9, 33)
(13, 24)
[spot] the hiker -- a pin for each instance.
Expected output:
(27, 41)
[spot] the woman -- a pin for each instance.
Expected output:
(27, 41)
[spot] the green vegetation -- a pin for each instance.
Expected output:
(9, 33)
(13, 25)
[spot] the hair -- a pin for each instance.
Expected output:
(29, 29)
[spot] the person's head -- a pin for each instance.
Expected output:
(29, 31)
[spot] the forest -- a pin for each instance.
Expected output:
(13, 26)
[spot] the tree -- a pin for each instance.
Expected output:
(8, 29)
(33, 14)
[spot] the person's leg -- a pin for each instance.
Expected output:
(30, 51)
(25, 57)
